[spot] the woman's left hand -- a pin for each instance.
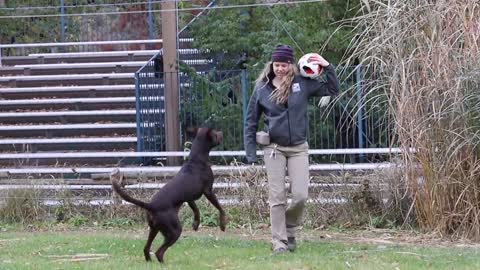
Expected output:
(318, 59)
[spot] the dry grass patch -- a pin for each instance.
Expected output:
(425, 58)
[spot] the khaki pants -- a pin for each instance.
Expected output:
(278, 161)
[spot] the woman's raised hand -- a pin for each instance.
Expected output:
(318, 59)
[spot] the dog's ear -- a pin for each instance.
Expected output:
(216, 136)
(191, 131)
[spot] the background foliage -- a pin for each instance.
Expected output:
(256, 30)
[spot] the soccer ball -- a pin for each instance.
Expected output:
(307, 69)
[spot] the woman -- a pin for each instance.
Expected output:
(282, 96)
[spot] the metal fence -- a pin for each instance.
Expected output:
(212, 97)
(355, 119)
(46, 21)
(150, 106)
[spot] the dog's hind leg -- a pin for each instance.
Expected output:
(171, 231)
(146, 250)
(213, 199)
(196, 215)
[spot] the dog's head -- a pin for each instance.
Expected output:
(213, 136)
(216, 137)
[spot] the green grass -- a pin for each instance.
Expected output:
(209, 249)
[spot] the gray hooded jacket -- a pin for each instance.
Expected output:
(287, 124)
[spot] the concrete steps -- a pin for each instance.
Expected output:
(73, 91)
(109, 103)
(59, 130)
(71, 144)
(80, 103)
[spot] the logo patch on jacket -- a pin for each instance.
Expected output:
(296, 87)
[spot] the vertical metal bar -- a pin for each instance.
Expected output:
(149, 118)
(360, 108)
(62, 21)
(138, 108)
(243, 76)
(200, 101)
(237, 124)
(156, 109)
(333, 142)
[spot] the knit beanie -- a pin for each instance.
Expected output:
(283, 53)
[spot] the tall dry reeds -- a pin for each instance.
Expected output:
(426, 55)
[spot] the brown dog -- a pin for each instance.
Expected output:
(194, 179)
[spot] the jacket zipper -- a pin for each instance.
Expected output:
(288, 121)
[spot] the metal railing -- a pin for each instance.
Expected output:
(355, 119)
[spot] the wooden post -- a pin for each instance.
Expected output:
(170, 46)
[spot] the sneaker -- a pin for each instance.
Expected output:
(279, 251)
(280, 248)
(291, 244)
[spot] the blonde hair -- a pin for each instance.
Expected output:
(280, 94)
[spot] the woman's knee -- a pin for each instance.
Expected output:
(277, 198)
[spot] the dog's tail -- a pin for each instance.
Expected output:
(115, 178)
